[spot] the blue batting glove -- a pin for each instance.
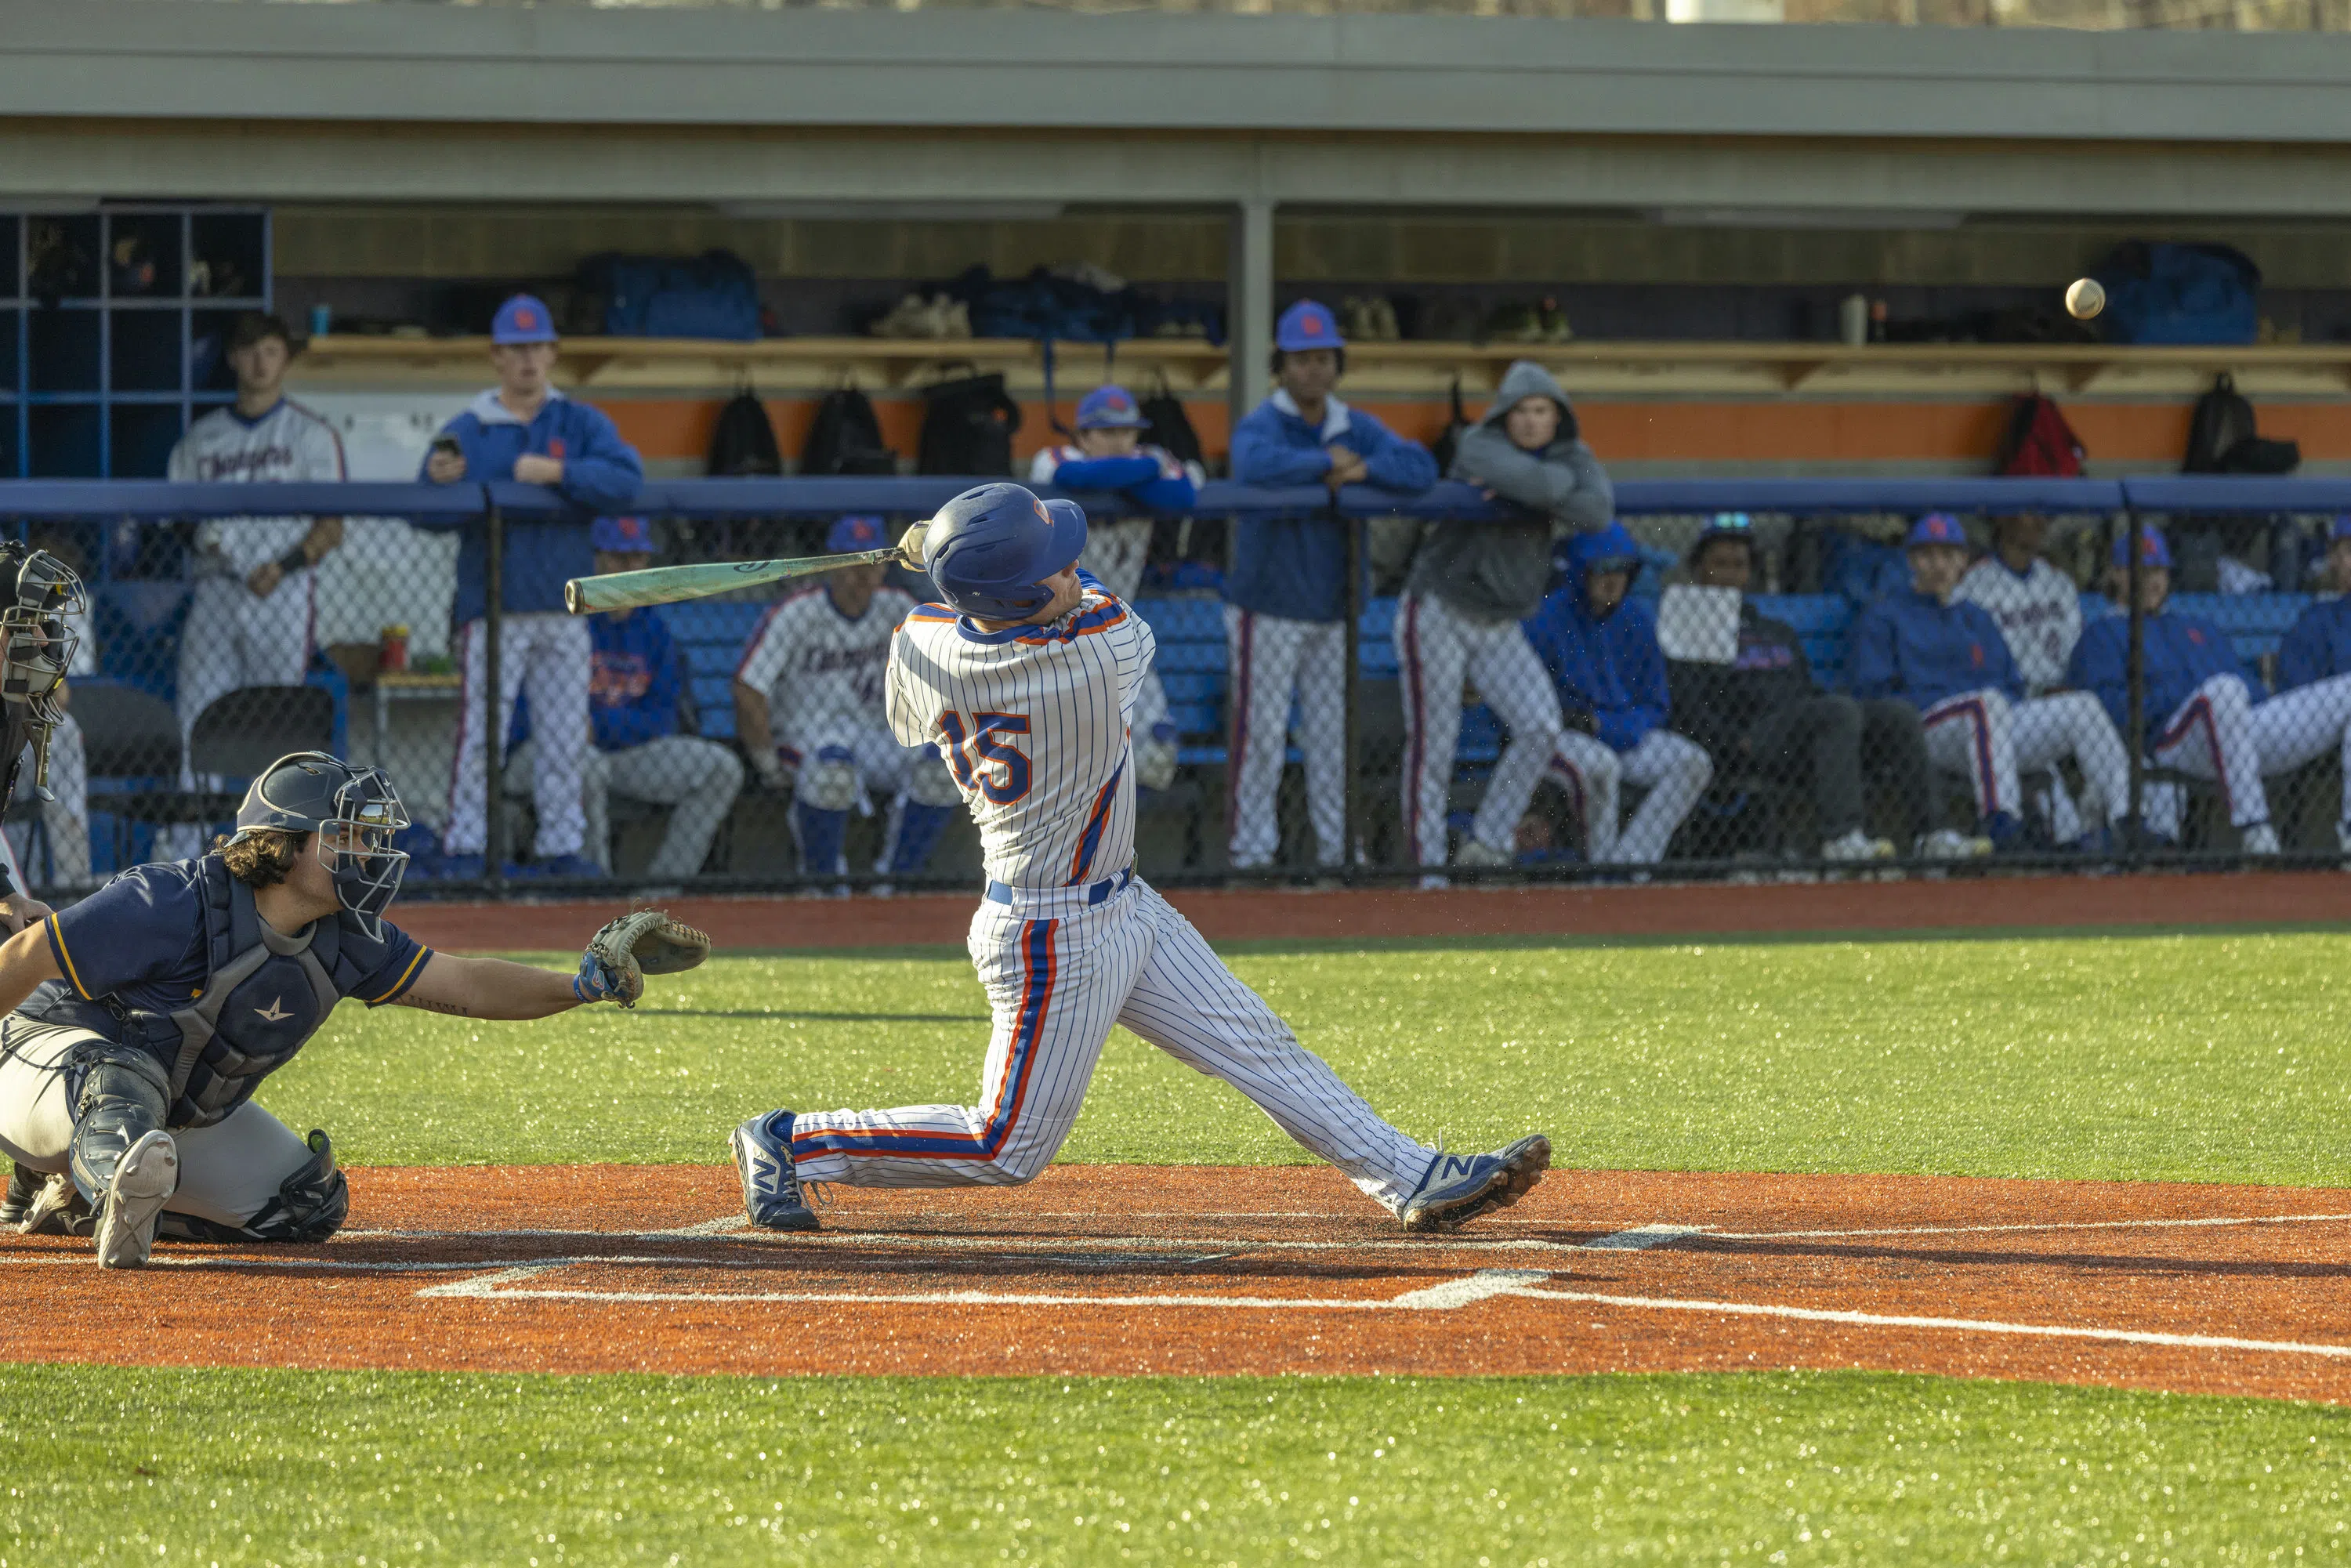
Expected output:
(594, 983)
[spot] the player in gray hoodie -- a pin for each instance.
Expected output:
(1471, 583)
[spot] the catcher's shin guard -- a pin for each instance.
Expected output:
(120, 1101)
(24, 1184)
(144, 1180)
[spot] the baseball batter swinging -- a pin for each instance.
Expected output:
(1026, 681)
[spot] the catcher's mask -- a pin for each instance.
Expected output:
(35, 624)
(356, 814)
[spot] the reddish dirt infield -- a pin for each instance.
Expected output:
(1132, 1270)
(1709, 909)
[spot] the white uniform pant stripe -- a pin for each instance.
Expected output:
(1274, 658)
(1134, 960)
(2221, 733)
(1438, 651)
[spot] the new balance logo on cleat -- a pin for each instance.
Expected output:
(772, 1197)
(1459, 1189)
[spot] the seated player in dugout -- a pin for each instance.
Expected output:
(1764, 714)
(1947, 657)
(2204, 712)
(1600, 647)
(146, 1017)
(1108, 453)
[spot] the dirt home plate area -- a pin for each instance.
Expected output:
(1132, 1270)
(1201, 1271)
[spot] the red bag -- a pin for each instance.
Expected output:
(2039, 440)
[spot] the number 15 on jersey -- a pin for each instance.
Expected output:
(985, 757)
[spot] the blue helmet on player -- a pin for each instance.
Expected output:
(989, 550)
(355, 811)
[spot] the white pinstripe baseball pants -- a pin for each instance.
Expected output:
(1988, 739)
(1060, 973)
(2222, 732)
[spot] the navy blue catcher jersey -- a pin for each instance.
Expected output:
(141, 939)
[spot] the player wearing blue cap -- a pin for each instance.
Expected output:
(809, 712)
(1025, 681)
(1108, 453)
(2203, 715)
(639, 749)
(527, 430)
(1947, 657)
(1286, 594)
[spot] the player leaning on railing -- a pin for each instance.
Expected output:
(1026, 681)
(146, 1017)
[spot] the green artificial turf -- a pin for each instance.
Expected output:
(2202, 1057)
(113, 1465)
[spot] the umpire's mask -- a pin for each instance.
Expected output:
(356, 814)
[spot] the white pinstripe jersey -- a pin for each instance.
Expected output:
(1033, 723)
(287, 445)
(819, 669)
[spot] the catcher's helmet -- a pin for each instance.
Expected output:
(357, 814)
(989, 549)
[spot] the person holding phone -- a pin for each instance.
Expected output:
(526, 430)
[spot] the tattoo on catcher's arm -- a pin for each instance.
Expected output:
(434, 1005)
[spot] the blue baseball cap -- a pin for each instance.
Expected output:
(1937, 528)
(524, 318)
(2152, 550)
(1109, 408)
(1308, 324)
(853, 533)
(623, 536)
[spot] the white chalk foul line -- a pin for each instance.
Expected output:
(1486, 1283)
(1962, 1325)
(2058, 1226)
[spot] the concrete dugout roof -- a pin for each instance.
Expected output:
(1013, 70)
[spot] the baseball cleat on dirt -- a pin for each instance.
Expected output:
(772, 1196)
(57, 1209)
(144, 1180)
(1459, 1189)
(24, 1184)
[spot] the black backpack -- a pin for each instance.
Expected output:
(1169, 425)
(2221, 438)
(845, 438)
(744, 444)
(967, 425)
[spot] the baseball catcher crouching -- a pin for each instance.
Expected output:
(145, 1015)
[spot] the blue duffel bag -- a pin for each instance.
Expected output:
(2181, 294)
(714, 295)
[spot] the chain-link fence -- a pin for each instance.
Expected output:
(1834, 677)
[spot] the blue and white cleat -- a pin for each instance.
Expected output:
(772, 1188)
(1459, 1189)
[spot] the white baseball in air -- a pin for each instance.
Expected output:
(2085, 297)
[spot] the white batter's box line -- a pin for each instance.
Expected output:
(742, 1230)
(2206, 1222)
(1957, 1326)
(1453, 1294)
(1643, 1237)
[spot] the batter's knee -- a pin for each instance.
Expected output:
(928, 782)
(826, 784)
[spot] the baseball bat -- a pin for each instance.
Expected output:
(669, 584)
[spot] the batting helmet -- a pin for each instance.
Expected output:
(356, 812)
(990, 548)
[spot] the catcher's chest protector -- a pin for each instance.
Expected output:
(266, 996)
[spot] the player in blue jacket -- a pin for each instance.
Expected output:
(1601, 651)
(2204, 715)
(2318, 647)
(1108, 453)
(1947, 658)
(1286, 595)
(526, 430)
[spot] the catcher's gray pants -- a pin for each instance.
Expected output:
(228, 1171)
(697, 779)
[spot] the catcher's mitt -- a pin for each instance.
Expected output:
(621, 954)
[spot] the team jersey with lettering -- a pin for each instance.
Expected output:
(2039, 614)
(288, 445)
(1033, 723)
(819, 668)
